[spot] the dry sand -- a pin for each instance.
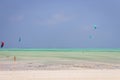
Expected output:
(61, 75)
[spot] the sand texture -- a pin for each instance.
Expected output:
(61, 75)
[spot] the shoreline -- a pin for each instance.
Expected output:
(40, 60)
(56, 64)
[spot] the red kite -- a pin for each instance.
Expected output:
(2, 44)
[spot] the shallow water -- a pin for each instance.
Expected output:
(100, 55)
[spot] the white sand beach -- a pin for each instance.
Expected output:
(61, 75)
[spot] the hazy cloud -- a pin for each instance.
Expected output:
(54, 19)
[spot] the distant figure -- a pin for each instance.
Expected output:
(2, 44)
(14, 58)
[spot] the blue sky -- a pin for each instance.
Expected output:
(60, 23)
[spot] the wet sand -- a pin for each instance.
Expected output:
(58, 60)
(55, 64)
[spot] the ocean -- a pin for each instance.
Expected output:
(62, 49)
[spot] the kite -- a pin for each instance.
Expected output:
(19, 39)
(95, 26)
(2, 44)
(90, 36)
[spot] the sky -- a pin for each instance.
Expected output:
(60, 23)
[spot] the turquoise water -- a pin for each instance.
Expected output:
(63, 49)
